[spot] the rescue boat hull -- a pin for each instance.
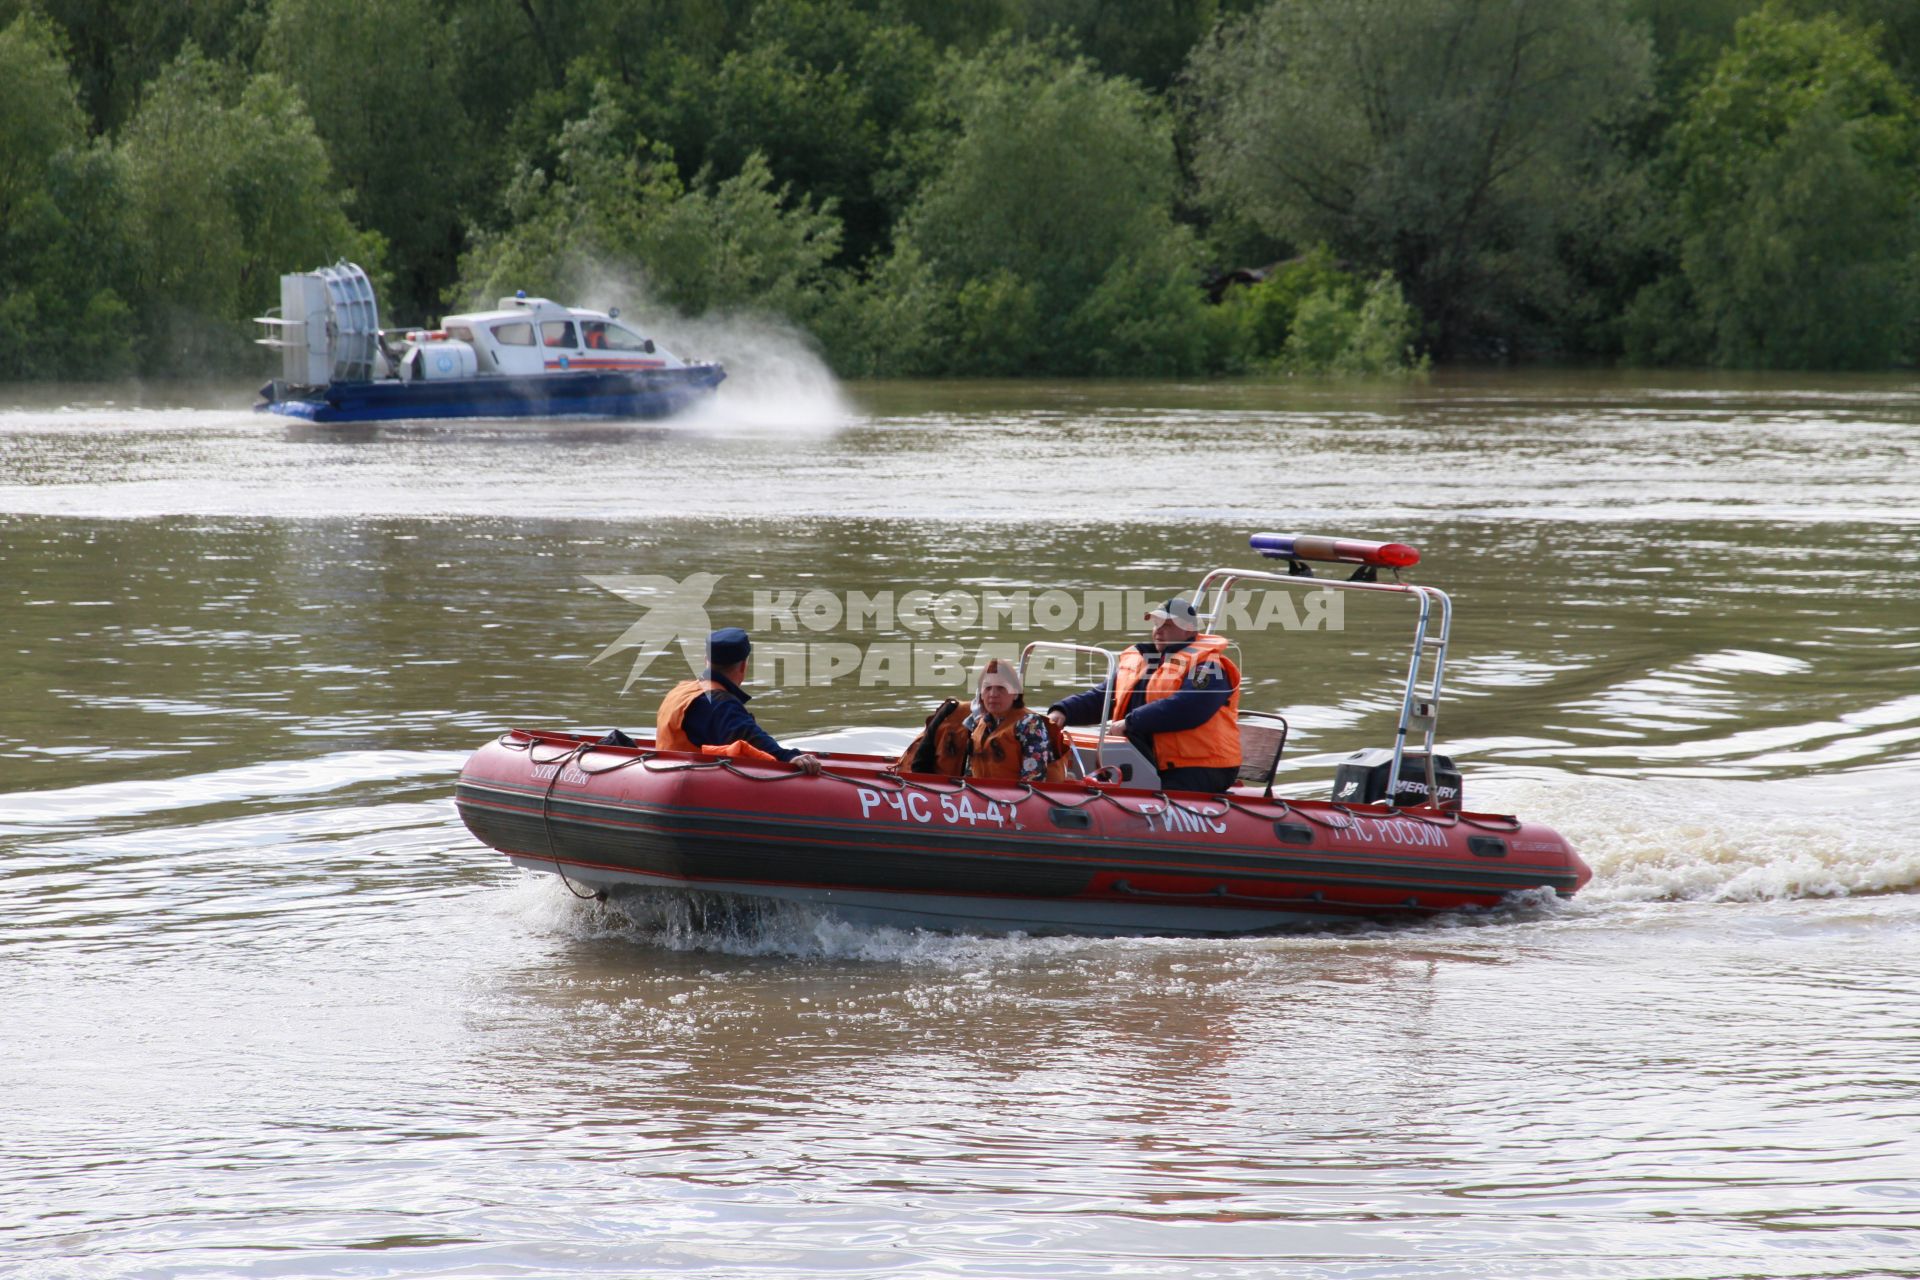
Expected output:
(989, 857)
(627, 393)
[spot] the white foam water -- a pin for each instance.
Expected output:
(776, 379)
(92, 803)
(1655, 840)
(1725, 840)
(725, 924)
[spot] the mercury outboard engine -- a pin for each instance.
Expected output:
(1362, 779)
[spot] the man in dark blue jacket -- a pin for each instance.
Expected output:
(1177, 702)
(712, 711)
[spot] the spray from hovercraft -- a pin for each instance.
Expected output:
(776, 379)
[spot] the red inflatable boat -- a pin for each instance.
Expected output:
(1080, 856)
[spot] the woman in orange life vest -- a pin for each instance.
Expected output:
(710, 714)
(1176, 698)
(1007, 740)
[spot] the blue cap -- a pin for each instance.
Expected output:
(727, 646)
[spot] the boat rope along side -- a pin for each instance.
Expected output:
(1096, 856)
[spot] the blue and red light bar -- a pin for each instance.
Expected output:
(1300, 546)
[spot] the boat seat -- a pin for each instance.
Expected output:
(1263, 736)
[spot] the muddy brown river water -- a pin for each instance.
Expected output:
(269, 1010)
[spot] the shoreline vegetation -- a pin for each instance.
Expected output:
(980, 188)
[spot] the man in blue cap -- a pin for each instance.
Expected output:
(711, 713)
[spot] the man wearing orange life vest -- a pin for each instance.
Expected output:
(1176, 697)
(710, 714)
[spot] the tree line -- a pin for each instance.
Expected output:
(997, 187)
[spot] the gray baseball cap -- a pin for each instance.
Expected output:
(1177, 611)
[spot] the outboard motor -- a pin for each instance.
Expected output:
(1362, 779)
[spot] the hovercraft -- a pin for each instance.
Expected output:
(1106, 852)
(528, 358)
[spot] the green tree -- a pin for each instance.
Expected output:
(377, 77)
(1688, 37)
(1797, 168)
(228, 187)
(1311, 316)
(965, 26)
(560, 228)
(1048, 218)
(40, 112)
(1262, 314)
(117, 46)
(899, 319)
(1451, 142)
(653, 53)
(523, 45)
(1346, 330)
(61, 244)
(616, 205)
(817, 89)
(1143, 40)
(1895, 25)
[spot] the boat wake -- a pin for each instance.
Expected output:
(724, 924)
(737, 926)
(110, 415)
(1722, 840)
(1660, 840)
(57, 811)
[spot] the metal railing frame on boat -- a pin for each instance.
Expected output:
(1413, 710)
(1106, 702)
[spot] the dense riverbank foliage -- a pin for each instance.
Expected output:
(980, 186)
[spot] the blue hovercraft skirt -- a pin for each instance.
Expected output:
(639, 393)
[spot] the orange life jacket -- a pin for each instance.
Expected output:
(943, 746)
(1215, 744)
(669, 728)
(996, 753)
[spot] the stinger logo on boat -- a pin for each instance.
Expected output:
(675, 617)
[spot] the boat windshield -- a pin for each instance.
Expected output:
(604, 334)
